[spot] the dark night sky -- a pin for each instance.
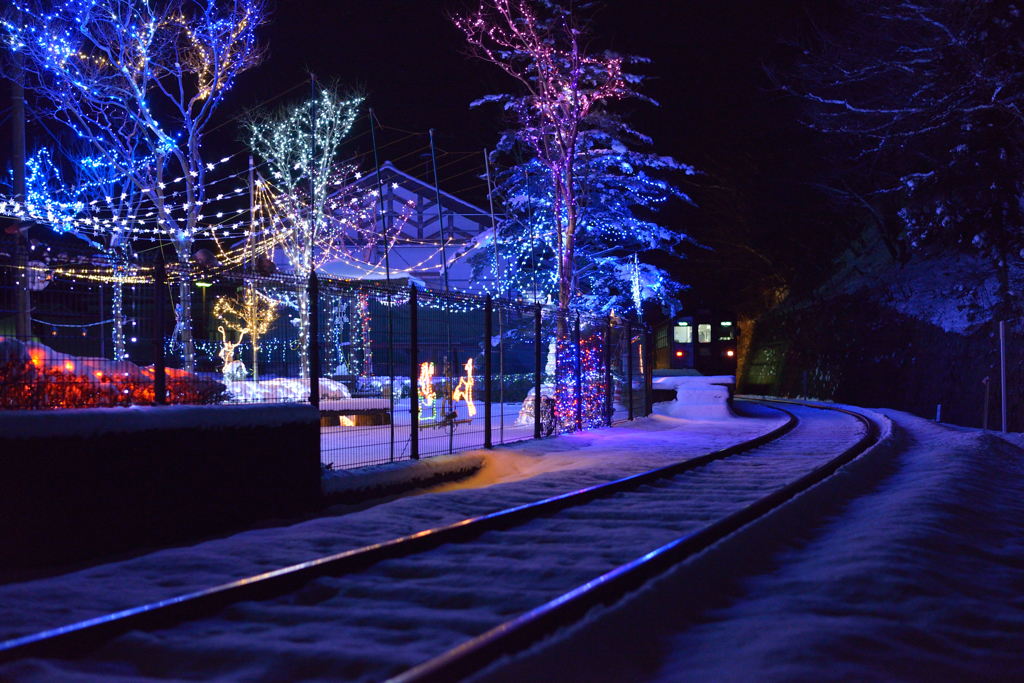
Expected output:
(718, 111)
(409, 59)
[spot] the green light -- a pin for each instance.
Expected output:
(204, 285)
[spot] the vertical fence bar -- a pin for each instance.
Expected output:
(488, 312)
(648, 373)
(391, 355)
(501, 372)
(579, 377)
(314, 339)
(536, 372)
(159, 365)
(609, 390)
(414, 386)
(629, 365)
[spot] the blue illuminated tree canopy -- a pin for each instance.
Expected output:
(139, 83)
(581, 205)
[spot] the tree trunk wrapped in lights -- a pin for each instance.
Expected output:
(585, 165)
(317, 205)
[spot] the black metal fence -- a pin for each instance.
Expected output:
(397, 372)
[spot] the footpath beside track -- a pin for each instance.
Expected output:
(660, 517)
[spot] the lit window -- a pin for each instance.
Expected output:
(726, 331)
(703, 334)
(683, 334)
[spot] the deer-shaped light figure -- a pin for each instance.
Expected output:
(234, 370)
(250, 312)
(464, 390)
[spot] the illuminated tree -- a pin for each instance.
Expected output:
(250, 312)
(615, 194)
(139, 82)
(538, 43)
(317, 204)
(95, 204)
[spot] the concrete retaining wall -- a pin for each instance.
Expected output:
(81, 483)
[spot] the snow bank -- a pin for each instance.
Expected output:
(92, 422)
(371, 482)
(283, 389)
(697, 398)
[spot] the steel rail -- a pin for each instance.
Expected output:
(80, 637)
(522, 632)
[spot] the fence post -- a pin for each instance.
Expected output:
(314, 340)
(579, 378)
(159, 315)
(609, 390)
(629, 365)
(414, 386)
(648, 373)
(536, 372)
(488, 333)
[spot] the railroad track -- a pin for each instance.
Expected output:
(544, 564)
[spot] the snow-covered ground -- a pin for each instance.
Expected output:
(922, 579)
(378, 622)
(523, 473)
(343, 447)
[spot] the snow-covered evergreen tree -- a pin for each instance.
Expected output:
(618, 198)
(576, 206)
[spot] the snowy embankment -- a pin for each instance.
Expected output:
(919, 579)
(697, 397)
(350, 486)
(527, 472)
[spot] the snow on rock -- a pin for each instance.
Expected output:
(93, 422)
(697, 398)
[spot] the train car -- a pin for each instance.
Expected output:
(703, 340)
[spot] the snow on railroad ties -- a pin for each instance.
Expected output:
(526, 472)
(921, 579)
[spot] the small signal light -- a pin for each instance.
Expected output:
(679, 354)
(730, 353)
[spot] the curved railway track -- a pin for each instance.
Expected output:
(544, 553)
